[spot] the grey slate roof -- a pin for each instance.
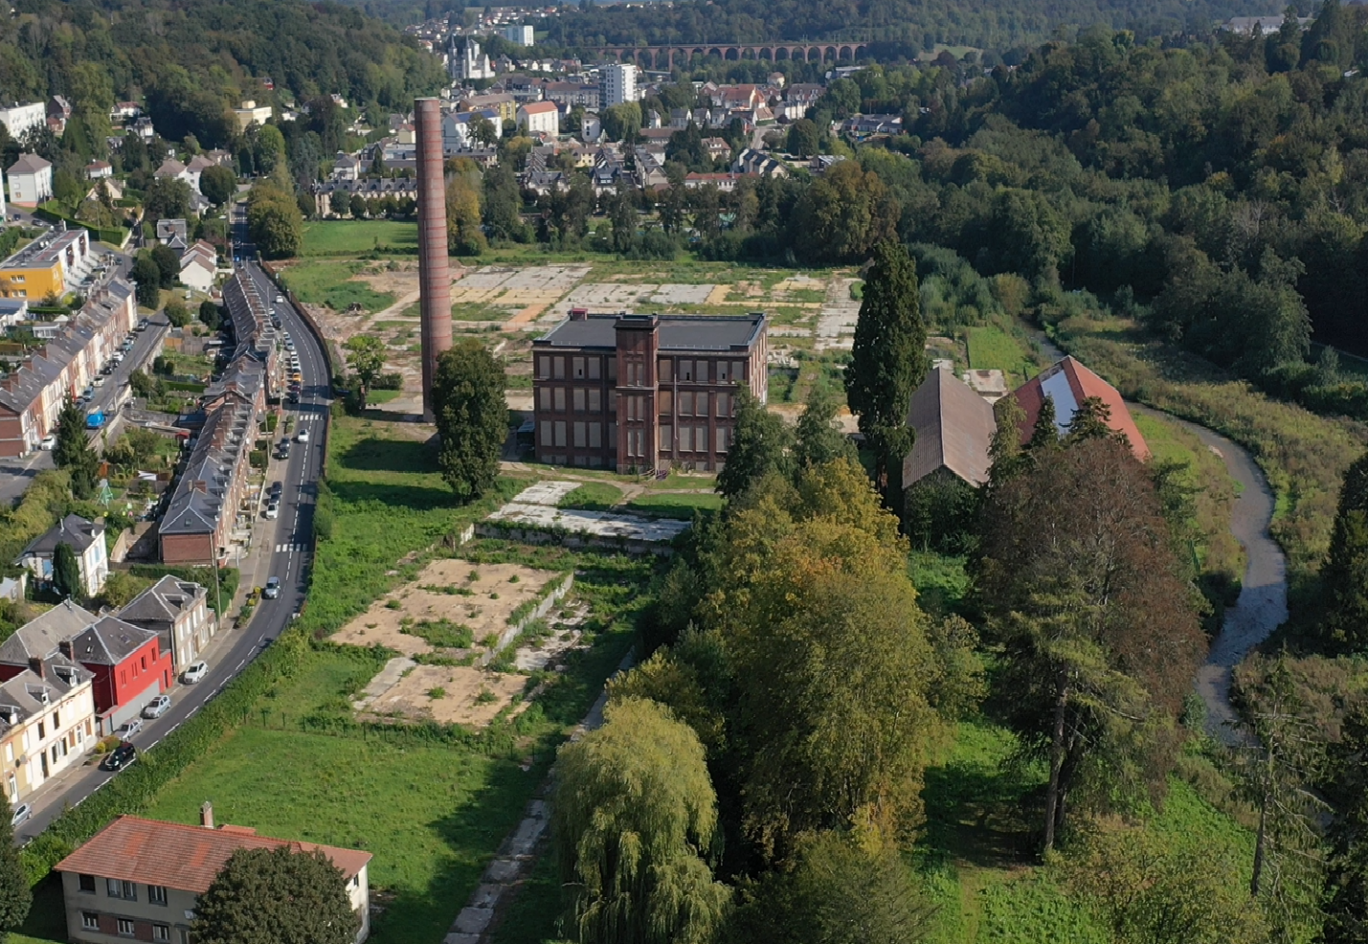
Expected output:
(40, 636)
(79, 532)
(28, 164)
(162, 602)
(954, 427)
(23, 696)
(677, 332)
(108, 641)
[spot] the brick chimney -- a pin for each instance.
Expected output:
(36, 666)
(65, 648)
(579, 314)
(207, 815)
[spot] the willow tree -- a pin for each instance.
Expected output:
(635, 819)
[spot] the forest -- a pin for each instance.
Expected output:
(195, 60)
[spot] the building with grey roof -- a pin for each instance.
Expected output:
(954, 428)
(86, 539)
(639, 393)
(177, 611)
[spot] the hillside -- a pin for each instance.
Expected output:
(194, 59)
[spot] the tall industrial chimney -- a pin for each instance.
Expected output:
(434, 278)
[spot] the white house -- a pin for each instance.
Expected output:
(249, 113)
(99, 170)
(539, 118)
(85, 537)
(30, 180)
(21, 119)
(199, 265)
(457, 134)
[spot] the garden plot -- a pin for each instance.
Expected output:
(447, 694)
(455, 609)
(534, 510)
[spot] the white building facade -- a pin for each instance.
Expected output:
(19, 120)
(617, 84)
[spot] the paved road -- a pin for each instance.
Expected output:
(283, 554)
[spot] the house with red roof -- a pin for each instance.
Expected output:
(1068, 383)
(140, 879)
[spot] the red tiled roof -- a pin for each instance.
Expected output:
(540, 108)
(183, 857)
(1069, 383)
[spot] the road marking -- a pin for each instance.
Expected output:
(291, 548)
(240, 665)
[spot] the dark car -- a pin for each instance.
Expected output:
(276, 489)
(120, 757)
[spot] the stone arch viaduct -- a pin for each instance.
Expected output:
(663, 57)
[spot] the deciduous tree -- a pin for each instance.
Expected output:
(273, 221)
(760, 445)
(218, 184)
(472, 420)
(265, 896)
(635, 822)
(366, 358)
(147, 274)
(15, 895)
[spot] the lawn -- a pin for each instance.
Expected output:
(592, 496)
(329, 282)
(358, 237)
(992, 348)
(675, 504)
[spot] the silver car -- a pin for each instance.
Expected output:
(157, 707)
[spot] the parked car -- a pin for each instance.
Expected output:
(273, 510)
(128, 729)
(157, 707)
(272, 589)
(195, 673)
(276, 489)
(21, 814)
(120, 757)
(49, 443)
(279, 298)
(303, 436)
(98, 381)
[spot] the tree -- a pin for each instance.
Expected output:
(760, 446)
(888, 361)
(503, 204)
(844, 214)
(1098, 627)
(15, 895)
(366, 358)
(464, 234)
(1346, 879)
(166, 198)
(66, 572)
(818, 440)
(840, 893)
(1344, 577)
(72, 451)
(147, 274)
(635, 819)
(808, 585)
(472, 420)
(483, 132)
(168, 264)
(804, 139)
(177, 313)
(211, 314)
(264, 896)
(218, 184)
(1156, 888)
(273, 221)
(621, 122)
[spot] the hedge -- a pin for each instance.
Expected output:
(115, 236)
(134, 789)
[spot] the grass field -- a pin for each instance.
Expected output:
(357, 237)
(676, 504)
(992, 348)
(328, 282)
(593, 496)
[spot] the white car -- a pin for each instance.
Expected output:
(128, 729)
(21, 814)
(48, 444)
(195, 673)
(273, 510)
(303, 436)
(157, 707)
(279, 299)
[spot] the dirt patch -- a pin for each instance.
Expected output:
(445, 591)
(449, 694)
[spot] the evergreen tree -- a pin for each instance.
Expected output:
(888, 361)
(72, 451)
(818, 441)
(1345, 574)
(267, 896)
(15, 894)
(1346, 880)
(168, 264)
(66, 571)
(760, 445)
(1045, 432)
(147, 274)
(472, 420)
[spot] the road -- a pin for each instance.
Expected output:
(284, 553)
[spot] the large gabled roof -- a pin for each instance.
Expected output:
(954, 428)
(40, 636)
(1069, 383)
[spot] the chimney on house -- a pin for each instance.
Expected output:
(36, 666)
(207, 815)
(579, 314)
(65, 648)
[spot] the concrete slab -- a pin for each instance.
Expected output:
(524, 840)
(459, 938)
(473, 920)
(546, 493)
(502, 870)
(384, 680)
(594, 523)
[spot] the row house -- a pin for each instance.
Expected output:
(636, 393)
(32, 395)
(759, 163)
(126, 664)
(178, 612)
(140, 879)
(47, 721)
(571, 95)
